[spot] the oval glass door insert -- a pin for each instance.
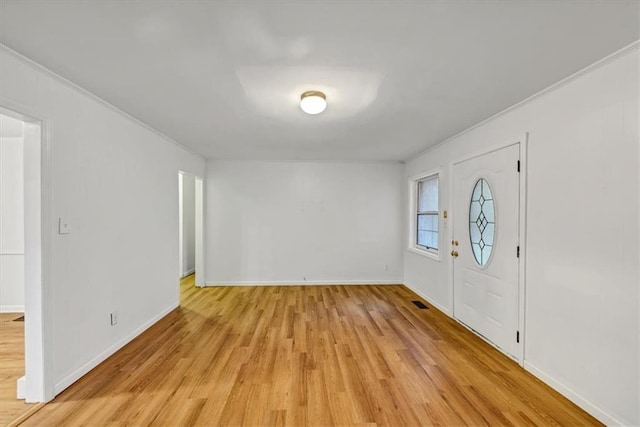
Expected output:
(482, 222)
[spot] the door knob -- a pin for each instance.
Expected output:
(454, 254)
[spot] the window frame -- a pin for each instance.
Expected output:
(413, 245)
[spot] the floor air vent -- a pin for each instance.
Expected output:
(420, 305)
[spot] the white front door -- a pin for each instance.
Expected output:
(485, 246)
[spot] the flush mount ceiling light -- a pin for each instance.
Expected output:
(313, 102)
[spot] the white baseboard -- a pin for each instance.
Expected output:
(11, 308)
(589, 407)
(21, 388)
(430, 301)
(188, 273)
(583, 403)
(84, 369)
(307, 283)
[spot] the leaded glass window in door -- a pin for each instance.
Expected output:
(482, 222)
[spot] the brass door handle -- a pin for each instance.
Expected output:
(454, 254)
(454, 242)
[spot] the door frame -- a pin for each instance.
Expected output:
(199, 227)
(523, 141)
(38, 383)
(200, 246)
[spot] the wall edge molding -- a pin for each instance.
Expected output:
(303, 283)
(11, 308)
(315, 161)
(74, 376)
(628, 49)
(430, 300)
(573, 396)
(39, 67)
(188, 273)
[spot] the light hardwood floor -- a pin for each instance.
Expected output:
(11, 367)
(317, 355)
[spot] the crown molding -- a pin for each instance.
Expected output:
(41, 68)
(626, 50)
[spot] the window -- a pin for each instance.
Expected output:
(427, 219)
(424, 219)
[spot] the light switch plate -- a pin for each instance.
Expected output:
(63, 226)
(114, 318)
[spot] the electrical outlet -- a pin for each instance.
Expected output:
(114, 318)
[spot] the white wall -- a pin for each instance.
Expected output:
(11, 215)
(114, 181)
(188, 200)
(582, 253)
(296, 222)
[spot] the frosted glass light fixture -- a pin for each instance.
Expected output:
(313, 102)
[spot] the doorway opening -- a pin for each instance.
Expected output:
(22, 227)
(190, 229)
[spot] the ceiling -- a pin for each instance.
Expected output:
(224, 78)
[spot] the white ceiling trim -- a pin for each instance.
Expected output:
(91, 95)
(600, 63)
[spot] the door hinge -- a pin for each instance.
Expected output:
(518, 336)
(518, 252)
(518, 166)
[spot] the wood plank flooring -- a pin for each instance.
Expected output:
(316, 355)
(11, 367)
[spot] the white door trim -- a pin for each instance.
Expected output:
(522, 237)
(522, 140)
(199, 265)
(180, 225)
(199, 227)
(39, 382)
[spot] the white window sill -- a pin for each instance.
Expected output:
(425, 253)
